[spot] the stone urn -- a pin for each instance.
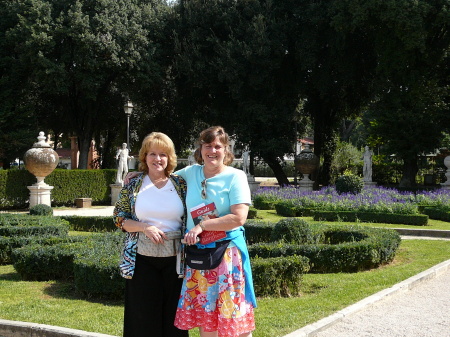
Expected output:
(41, 159)
(306, 162)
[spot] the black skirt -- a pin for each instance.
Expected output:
(151, 299)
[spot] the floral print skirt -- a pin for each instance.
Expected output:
(215, 299)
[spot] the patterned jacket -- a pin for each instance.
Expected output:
(125, 208)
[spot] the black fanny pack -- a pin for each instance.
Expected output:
(207, 258)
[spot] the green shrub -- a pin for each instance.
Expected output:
(96, 269)
(354, 249)
(405, 219)
(292, 230)
(43, 263)
(349, 184)
(286, 208)
(279, 276)
(252, 213)
(258, 231)
(41, 209)
(437, 213)
(264, 201)
(8, 244)
(90, 223)
(68, 185)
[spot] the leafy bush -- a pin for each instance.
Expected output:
(341, 249)
(30, 225)
(279, 276)
(252, 213)
(349, 184)
(437, 213)
(264, 201)
(292, 230)
(68, 185)
(405, 219)
(8, 244)
(43, 263)
(41, 209)
(258, 231)
(90, 223)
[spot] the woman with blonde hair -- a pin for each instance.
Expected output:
(151, 211)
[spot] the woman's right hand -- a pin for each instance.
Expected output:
(129, 176)
(155, 234)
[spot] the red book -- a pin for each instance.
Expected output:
(205, 212)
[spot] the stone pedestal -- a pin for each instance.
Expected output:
(306, 184)
(252, 183)
(370, 183)
(40, 193)
(115, 190)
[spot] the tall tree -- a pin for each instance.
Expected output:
(412, 42)
(235, 67)
(81, 52)
(18, 123)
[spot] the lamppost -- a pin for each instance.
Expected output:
(128, 107)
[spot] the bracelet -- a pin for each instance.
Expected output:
(202, 226)
(122, 222)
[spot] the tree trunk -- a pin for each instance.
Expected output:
(410, 169)
(277, 171)
(84, 146)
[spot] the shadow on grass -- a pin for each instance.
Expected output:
(67, 290)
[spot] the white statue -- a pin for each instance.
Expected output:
(191, 159)
(246, 161)
(122, 169)
(367, 168)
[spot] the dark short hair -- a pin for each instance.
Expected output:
(208, 136)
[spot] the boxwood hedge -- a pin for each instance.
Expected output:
(405, 219)
(343, 249)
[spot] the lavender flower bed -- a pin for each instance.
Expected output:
(371, 199)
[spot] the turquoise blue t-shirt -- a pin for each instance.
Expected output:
(229, 187)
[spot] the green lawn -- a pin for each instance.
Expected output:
(57, 303)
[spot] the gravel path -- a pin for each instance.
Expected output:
(423, 311)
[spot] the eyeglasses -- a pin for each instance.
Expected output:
(204, 188)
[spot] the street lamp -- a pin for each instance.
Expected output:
(128, 107)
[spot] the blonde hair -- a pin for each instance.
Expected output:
(208, 136)
(158, 139)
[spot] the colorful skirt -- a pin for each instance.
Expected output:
(215, 299)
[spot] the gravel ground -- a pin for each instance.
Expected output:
(423, 311)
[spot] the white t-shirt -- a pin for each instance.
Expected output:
(162, 206)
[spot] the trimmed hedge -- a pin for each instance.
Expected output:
(264, 202)
(344, 249)
(279, 276)
(17, 230)
(258, 231)
(405, 219)
(437, 214)
(68, 185)
(43, 263)
(289, 208)
(90, 223)
(8, 244)
(293, 230)
(32, 225)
